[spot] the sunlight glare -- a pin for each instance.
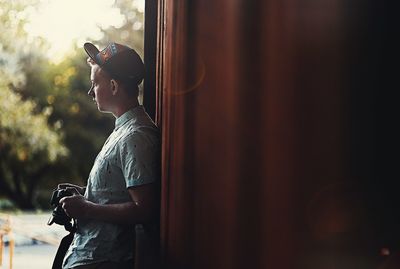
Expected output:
(65, 22)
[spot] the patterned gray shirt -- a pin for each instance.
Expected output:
(128, 158)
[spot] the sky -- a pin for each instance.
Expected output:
(63, 22)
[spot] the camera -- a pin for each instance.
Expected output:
(58, 215)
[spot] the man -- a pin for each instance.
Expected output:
(122, 188)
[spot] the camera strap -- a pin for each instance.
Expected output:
(63, 247)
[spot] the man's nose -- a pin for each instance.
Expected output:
(90, 92)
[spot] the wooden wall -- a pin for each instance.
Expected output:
(270, 119)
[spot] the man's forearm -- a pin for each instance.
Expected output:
(143, 207)
(124, 213)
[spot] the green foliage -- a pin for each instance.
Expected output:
(28, 144)
(25, 133)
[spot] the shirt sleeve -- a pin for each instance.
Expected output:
(139, 160)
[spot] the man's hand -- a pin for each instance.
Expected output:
(80, 189)
(75, 206)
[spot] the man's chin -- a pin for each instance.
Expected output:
(99, 107)
(103, 110)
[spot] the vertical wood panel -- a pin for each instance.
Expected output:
(175, 189)
(257, 143)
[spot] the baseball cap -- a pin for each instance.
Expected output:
(120, 61)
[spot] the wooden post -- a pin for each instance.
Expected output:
(6, 230)
(11, 246)
(1, 249)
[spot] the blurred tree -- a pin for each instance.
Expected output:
(28, 144)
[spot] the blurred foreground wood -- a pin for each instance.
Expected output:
(277, 134)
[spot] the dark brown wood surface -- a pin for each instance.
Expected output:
(267, 117)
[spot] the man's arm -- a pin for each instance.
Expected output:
(143, 208)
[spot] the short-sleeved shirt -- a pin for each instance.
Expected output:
(129, 157)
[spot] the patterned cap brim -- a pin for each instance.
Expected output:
(91, 50)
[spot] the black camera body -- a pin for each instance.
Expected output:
(58, 215)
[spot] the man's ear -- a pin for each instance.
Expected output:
(114, 86)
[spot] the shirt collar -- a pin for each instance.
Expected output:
(128, 115)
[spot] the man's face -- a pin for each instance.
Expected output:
(100, 90)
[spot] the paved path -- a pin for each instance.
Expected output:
(35, 242)
(31, 257)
